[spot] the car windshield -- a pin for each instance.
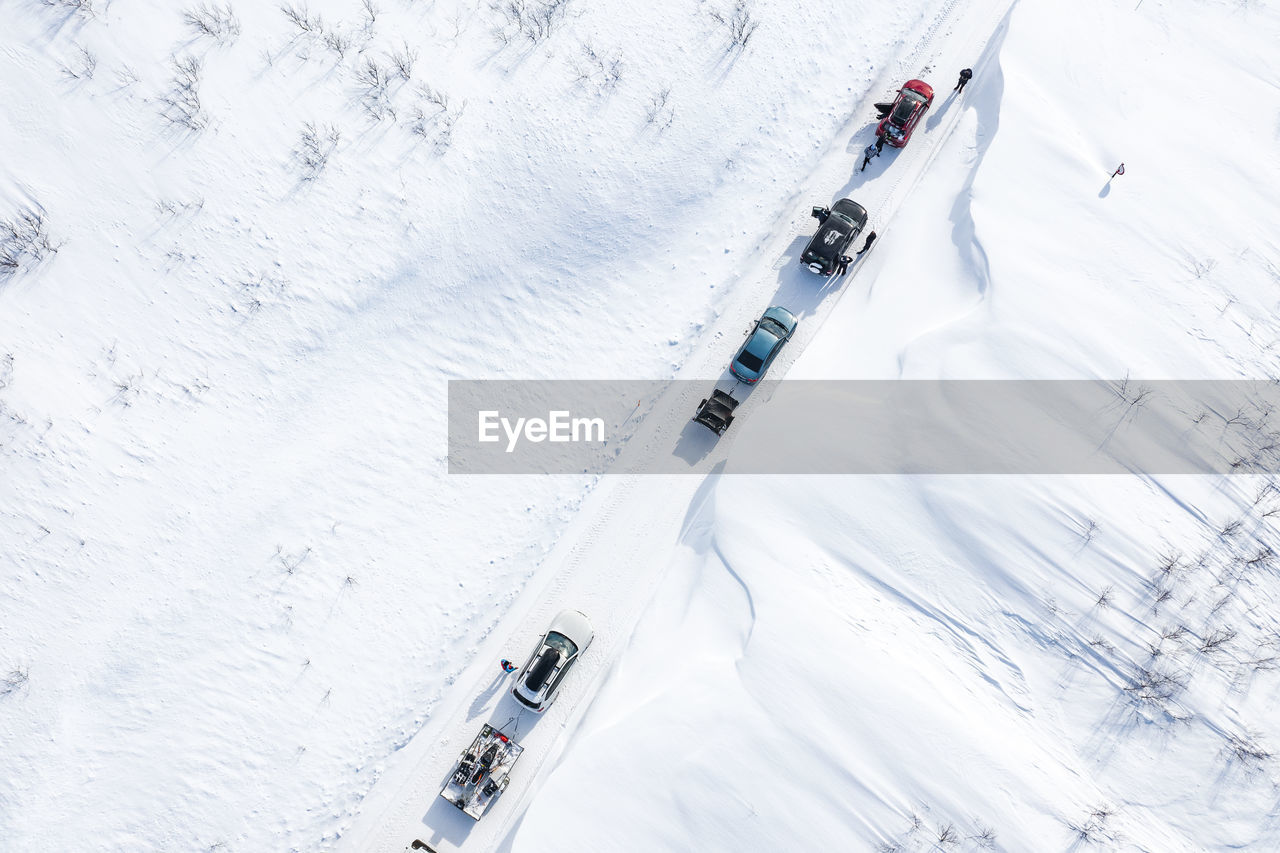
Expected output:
(749, 361)
(774, 327)
(561, 643)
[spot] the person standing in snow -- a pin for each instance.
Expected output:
(871, 238)
(871, 151)
(843, 266)
(879, 143)
(965, 76)
(507, 666)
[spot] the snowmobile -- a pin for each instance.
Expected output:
(482, 772)
(716, 412)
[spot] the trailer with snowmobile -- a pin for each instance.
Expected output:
(482, 773)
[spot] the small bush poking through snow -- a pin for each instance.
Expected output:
(85, 66)
(403, 61)
(217, 22)
(434, 117)
(533, 20)
(739, 23)
(181, 103)
(659, 113)
(302, 18)
(316, 145)
(24, 242)
(1247, 749)
(337, 41)
(13, 681)
(77, 7)
(603, 71)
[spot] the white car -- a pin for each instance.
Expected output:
(561, 646)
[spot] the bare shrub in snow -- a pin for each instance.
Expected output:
(1169, 562)
(532, 20)
(84, 67)
(1106, 596)
(603, 71)
(1132, 395)
(985, 838)
(1247, 749)
(434, 117)
(86, 8)
(13, 681)
(315, 146)
(1217, 639)
(370, 13)
(403, 61)
(24, 242)
(337, 41)
(181, 103)
(1199, 267)
(375, 97)
(302, 18)
(127, 76)
(371, 75)
(173, 208)
(1162, 596)
(947, 834)
(1154, 686)
(217, 22)
(739, 23)
(1231, 528)
(291, 562)
(1093, 829)
(660, 113)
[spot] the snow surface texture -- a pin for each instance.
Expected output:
(923, 664)
(235, 581)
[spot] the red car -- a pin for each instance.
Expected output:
(913, 101)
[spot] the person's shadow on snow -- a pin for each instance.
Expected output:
(478, 705)
(936, 115)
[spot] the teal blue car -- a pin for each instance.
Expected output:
(772, 330)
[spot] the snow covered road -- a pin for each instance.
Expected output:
(609, 562)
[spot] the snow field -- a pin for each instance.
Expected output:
(1072, 663)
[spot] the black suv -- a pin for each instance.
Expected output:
(841, 224)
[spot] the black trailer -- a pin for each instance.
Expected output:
(716, 412)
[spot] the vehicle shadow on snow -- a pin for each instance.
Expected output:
(696, 441)
(802, 292)
(445, 820)
(864, 136)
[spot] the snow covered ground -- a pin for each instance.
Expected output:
(1025, 664)
(235, 580)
